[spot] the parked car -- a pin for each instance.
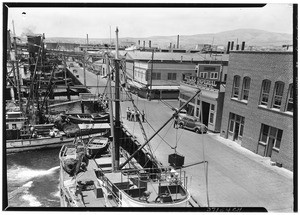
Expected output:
(191, 123)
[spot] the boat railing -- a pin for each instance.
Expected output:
(158, 174)
(113, 190)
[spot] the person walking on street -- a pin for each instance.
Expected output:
(143, 116)
(128, 113)
(175, 122)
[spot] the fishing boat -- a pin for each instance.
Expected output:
(96, 184)
(73, 130)
(42, 142)
(116, 178)
(87, 118)
(97, 146)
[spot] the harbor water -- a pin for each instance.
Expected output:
(33, 176)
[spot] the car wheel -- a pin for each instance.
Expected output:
(197, 130)
(180, 125)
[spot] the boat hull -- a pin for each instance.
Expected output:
(20, 145)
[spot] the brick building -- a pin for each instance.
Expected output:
(258, 104)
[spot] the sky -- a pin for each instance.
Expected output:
(146, 22)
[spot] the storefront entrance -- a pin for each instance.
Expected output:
(205, 113)
(236, 127)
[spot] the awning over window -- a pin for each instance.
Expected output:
(165, 87)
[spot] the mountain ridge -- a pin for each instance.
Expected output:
(252, 37)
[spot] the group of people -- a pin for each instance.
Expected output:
(134, 115)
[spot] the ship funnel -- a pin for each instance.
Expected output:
(228, 47)
(243, 46)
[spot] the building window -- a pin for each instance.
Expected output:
(278, 93)
(271, 135)
(236, 86)
(246, 88)
(290, 100)
(14, 126)
(171, 76)
(213, 75)
(203, 75)
(155, 76)
(265, 90)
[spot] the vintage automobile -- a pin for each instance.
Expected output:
(191, 123)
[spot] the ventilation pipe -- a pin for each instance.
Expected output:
(232, 45)
(178, 41)
(87, 39)
(228, 47)
(144, 44)
(139, 42)
(237, 47)
(149, 43)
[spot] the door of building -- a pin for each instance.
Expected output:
(270, 145)
(271, 141)
(205, 112)
(236, 131)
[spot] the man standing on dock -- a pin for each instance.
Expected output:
(132, 115)
(128, 113)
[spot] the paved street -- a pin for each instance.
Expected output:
(236, 176)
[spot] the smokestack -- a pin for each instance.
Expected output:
(149, 43)
(243, 46)
(144, 44)
(178, 41)
(87, 39)
(139, 42)
(228, 47)
(232, 45)
(237, 47)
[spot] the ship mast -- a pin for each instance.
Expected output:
(117, 106)
(115, 124)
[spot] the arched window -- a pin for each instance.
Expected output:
(278, 93)
(246, 88)
(290, 99)
(236, 87)
(265, 90)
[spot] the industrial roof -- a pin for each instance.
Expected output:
(172, 56)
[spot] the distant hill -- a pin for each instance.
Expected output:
(252, 37)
